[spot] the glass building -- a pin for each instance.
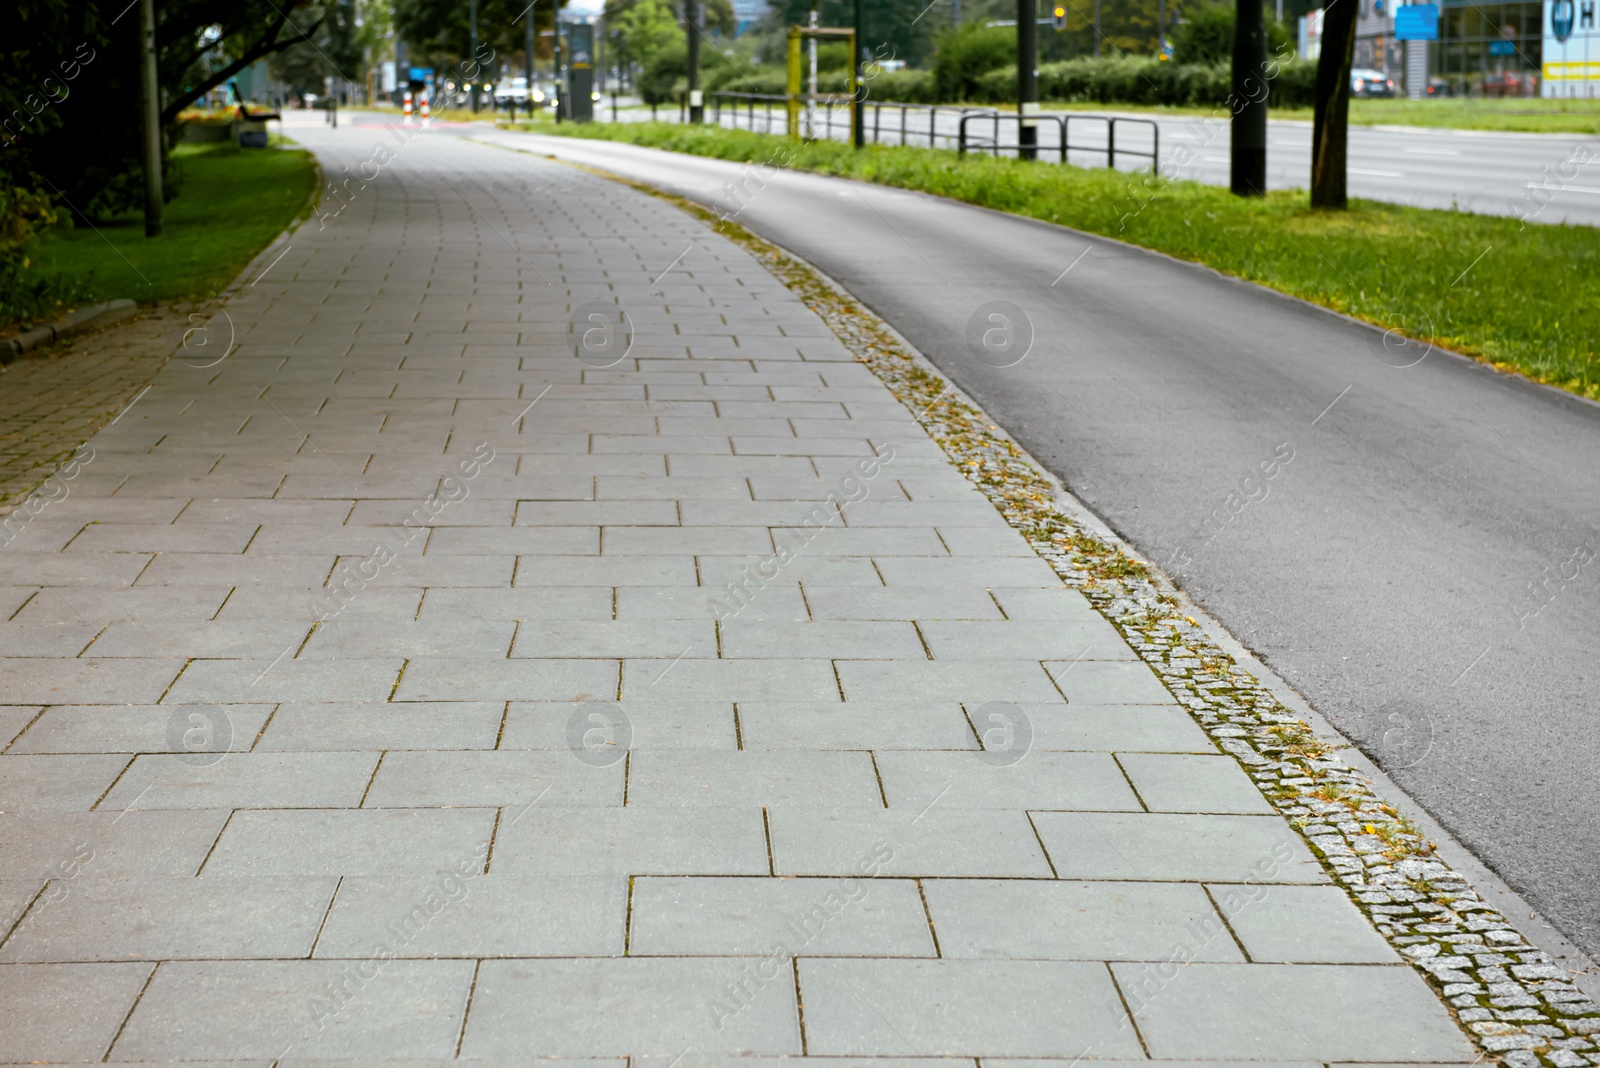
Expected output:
(1490, 49)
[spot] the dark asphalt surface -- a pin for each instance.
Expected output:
(1382, 570)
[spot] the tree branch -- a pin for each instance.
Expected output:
(265, 46)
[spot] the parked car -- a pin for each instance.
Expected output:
(1365, 82)
(1441, 87)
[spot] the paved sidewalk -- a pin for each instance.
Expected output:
(432, 679)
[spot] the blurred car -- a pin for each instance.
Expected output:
(1441, 87)
(1365, 82)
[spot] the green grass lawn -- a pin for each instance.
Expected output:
(1526, 298)
(231, 203)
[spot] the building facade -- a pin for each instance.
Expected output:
(1571, 50)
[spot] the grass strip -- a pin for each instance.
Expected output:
(1524, 297)
(231, 203)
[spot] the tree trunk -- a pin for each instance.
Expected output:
(1330, 132)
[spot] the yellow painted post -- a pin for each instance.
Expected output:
(792, 126)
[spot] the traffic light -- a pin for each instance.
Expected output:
(1058, 17)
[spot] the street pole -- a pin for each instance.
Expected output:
(152, 119)
(1248, 167)
(1161, 29)
(858, 107)
(527, 61)
(1096, 29)
(472, 60)
(555, 59)
(697, 108)
(1027, 78)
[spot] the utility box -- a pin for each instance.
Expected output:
(580, 73)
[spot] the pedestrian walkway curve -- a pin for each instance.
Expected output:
(538, 636)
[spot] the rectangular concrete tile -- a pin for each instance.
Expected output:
(560, 1008)
(955, 843)
(107, 842)
(243, 780)
(963, 1008)
(776, 601)
(382, 725)
(1320, 1012)
(758, 917)
(974, 681)
(13, 718)
(900, 602)
(1002, 777)
(143, 729)
(119, 918)
(233, 1009)
(478, 916)
(663, 840)
(477, 638)
(1301, 925)
(854, 639)
(454, 679)
(1014, 640)
(492, 780)
(288, 679)
(56, 783)
(566, 726)
(1175, 847)
(1122, 728)
(1098, 682)
(523, 602)
(729, 680)
(65, 1012)
(878, 725)
(1051, 602)
(56, 681)
(351, 842)
(616, 639)
(681, 777)
(965, 572)
(1179, 782)
(1048, 920)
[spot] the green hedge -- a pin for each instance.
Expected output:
(1074, 81)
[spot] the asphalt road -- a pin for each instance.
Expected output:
(1474, 170)
(1383, 570)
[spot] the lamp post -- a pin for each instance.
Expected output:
(472, 60)
(858, 106)
(1248, 163)
(152, 119)
(697, 108)
(1027, 78)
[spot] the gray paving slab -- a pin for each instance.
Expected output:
(661, 839)
(108, 842)
(1177, 847)
(1065, 920)
(875, 725)
(955, 843)
(422, 779)
(382, 725)
(108, 918)
(1324, 1012)
(270, 841)
(961, 1008)
(243, 1009)
(495, 915)
(56, 783)
(682, 777)
(1177, 782)
(871, 917)
(1300, 924)
(1165, 728)
(210, 780)
(1001, 777)
(644, 1006)
(66, 1012)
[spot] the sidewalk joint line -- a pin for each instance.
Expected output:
(497, 230)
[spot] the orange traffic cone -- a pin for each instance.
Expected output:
(425, 116)
(407, 99)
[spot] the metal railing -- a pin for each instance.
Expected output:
(830, 116)
(1062, 145)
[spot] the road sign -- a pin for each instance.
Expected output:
(1416, 22)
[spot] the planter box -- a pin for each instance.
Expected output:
(207, 133)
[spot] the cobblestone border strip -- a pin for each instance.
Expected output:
(1518, 1005)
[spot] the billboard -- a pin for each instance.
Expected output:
(1571, 49)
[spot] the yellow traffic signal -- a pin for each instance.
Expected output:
(1059, 17)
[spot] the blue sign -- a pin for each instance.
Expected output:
(1502, 48)
(1416, 22)
(1561, 18)
(421, 74)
